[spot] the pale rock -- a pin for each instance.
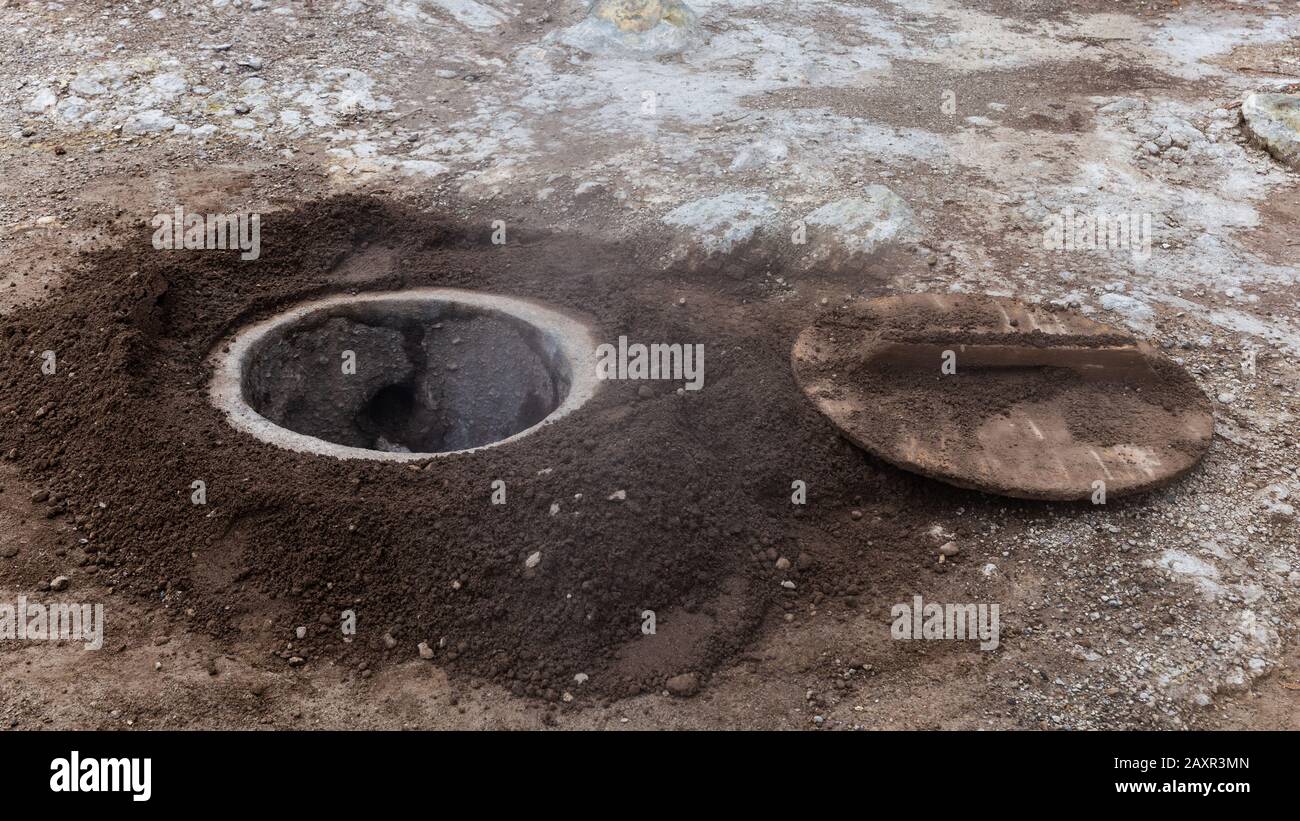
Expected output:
(760, 154)
(848, 228)
(87, 86)
(152, 121)
(39, 102)
(720, 224)
(1137, 314)
(1273, 123)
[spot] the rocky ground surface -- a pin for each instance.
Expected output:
(814, 153)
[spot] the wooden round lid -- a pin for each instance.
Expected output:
(992, 394)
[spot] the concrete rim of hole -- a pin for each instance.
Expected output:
(567, 340)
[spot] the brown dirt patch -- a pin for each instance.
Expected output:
(418, 552)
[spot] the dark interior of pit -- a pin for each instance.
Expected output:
(286, 540)
(406, 377)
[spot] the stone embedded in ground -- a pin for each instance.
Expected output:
(856, 226)
(760, 154)
(87, 86)
(1137, 314)
(39, 102)
(152, 121)
(1273, 122)
(169, 86)
(1274, 500)
(722, 223)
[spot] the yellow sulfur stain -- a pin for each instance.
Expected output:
(642, 15)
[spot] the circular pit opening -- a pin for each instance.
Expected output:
(404, 375)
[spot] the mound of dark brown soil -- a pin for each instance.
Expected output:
(123, 429)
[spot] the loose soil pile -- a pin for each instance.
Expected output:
(119, 434)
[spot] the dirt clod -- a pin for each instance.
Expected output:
(683, 685)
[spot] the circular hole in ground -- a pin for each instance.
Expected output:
(404, 375)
